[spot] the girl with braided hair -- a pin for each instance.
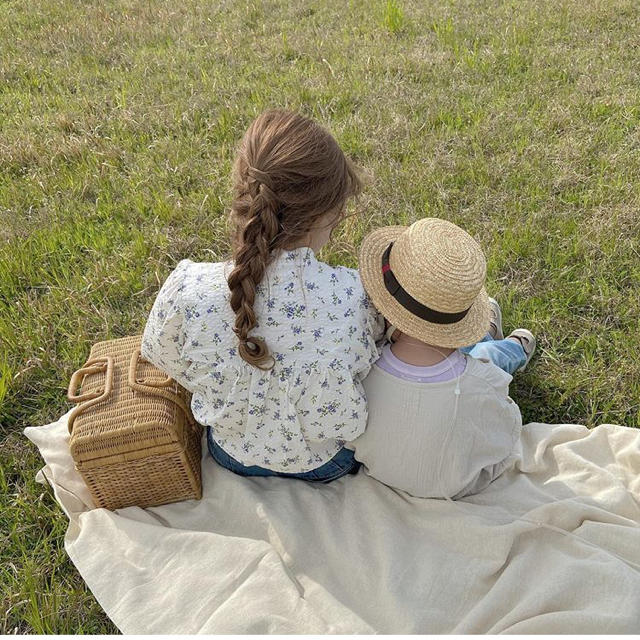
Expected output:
(273, 344)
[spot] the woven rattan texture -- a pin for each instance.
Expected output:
(135, 447)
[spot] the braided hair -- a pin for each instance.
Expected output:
(289, 173)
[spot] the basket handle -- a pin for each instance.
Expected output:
(157, 388)
(95, 365)
(141, 382)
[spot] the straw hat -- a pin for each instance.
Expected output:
(428, 280)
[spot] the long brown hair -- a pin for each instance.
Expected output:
(289, 172)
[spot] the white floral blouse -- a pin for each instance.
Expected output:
(319, 326)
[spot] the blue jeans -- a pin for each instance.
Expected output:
(340, 465)
(506, 354)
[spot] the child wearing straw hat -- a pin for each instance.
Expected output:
(441, 422)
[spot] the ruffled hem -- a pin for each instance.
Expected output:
(298, 414)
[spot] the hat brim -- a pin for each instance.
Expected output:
(467, 331)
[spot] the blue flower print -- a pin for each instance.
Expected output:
(328, 408)
(190, 312)
(217, 376)
(363, 338)
(286, 432)
(285, 373)
(293, 310)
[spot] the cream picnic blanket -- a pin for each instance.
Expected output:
(272, 555)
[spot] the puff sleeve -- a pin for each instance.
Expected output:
(163, 339)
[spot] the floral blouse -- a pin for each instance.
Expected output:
(321, 330)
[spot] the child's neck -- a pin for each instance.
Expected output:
(417, 353)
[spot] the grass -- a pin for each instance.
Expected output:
(517, 120)
(393, 17)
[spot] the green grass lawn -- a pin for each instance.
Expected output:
(118, 118)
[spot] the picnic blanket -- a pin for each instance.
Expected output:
(273, 555)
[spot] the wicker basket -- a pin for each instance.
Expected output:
(133, 437)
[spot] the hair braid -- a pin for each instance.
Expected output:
(288, 175)
(251, 258)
